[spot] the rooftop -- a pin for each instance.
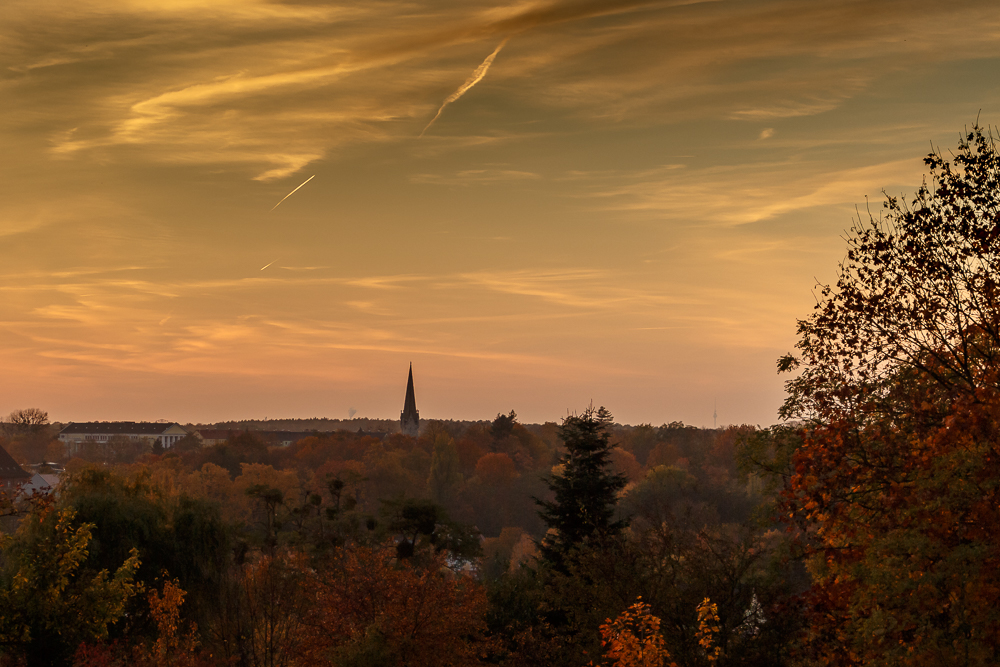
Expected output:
(118, 428)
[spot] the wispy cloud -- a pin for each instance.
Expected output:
(790, 109)
(476, 77)
(751, 193)
(252, 96)
(476, 176)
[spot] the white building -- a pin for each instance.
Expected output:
(75, 434)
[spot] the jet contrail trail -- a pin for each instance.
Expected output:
(286, 197)
(476, 77)
(267, 265)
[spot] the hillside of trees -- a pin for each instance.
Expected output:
(860, 531)
(462, 498)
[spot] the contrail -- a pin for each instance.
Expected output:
(267, 265)
(286, 197)
(476, 77)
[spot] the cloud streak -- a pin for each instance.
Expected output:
(476, 77)
(286, 197)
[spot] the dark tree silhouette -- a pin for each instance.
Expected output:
(585, 491)
(25, 421)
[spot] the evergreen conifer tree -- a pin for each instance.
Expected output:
(586, 491)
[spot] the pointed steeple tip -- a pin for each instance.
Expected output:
(410, 418)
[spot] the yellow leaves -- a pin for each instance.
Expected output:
(170, 646)
(708, 629)
(634, 640)
(122, 586)
(50, 594)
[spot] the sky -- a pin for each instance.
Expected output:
(540, 205)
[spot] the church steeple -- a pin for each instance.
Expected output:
(409, 418)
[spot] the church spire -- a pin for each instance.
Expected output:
(409, 418)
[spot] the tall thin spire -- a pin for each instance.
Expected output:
(409, 418)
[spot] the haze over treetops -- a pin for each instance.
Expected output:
(537, 203)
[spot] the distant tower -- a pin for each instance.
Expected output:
(409, 418)
(715, 415)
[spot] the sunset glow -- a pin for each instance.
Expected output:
(628, 203)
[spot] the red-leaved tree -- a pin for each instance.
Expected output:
(896, 485)
(369, 608)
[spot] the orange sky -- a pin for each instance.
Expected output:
(629, 204)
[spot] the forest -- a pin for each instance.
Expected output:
(861, 530)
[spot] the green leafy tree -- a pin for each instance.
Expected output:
(585, 490)
(49, 600)
(183, 536)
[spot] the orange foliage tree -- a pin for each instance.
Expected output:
(368, 606)
(708, 630)
(172, 646)
(634, 640)
(896, 485)
(259, 615)
(496, 469)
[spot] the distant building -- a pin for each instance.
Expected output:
(218, 436)
(75, 434)
(409, 418)
(12, 476)
(215, 436)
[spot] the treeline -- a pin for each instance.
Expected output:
(242, 537)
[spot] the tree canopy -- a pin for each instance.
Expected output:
(896, 484)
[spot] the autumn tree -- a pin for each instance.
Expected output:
(496, 470)
(258, 616)
(369, 609)
(50, 601)
(326, 520)
(896, 483)
(183, 536)
(634, 640)
(175, 643)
